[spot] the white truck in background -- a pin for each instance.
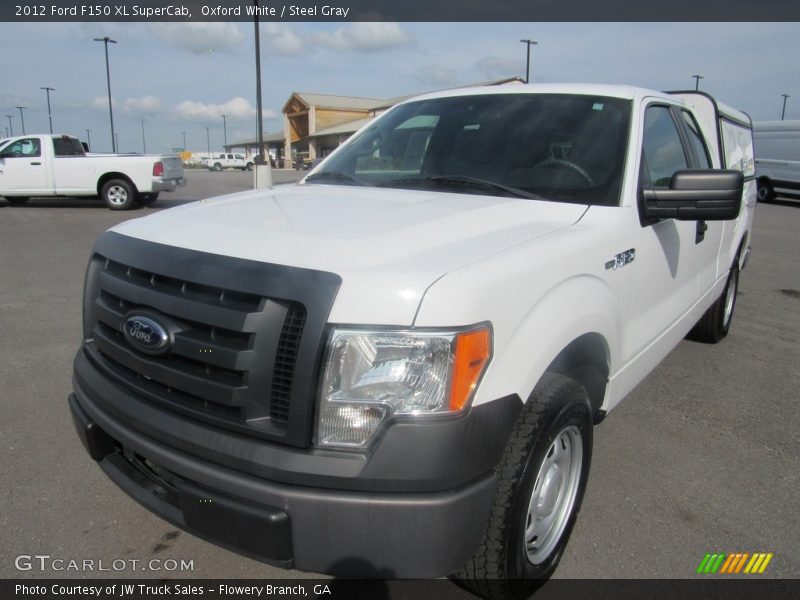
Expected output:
(58, 165)
(777, 150)
(218, 162)
(396, 366)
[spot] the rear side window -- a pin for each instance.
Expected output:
(662, 150)
(737, 145)
(67, 147)
(696, 140)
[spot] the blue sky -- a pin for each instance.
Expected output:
(182, 76)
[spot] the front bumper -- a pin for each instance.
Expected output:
(291, 520)
(168, 185)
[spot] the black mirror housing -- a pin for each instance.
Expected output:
(694, 195)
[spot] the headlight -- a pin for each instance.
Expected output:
(371, 376)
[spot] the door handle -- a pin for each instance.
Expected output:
(36, 163)
(700, 232)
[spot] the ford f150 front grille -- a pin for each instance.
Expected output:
(245, 340)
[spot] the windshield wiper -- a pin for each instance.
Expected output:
(337, 176)
(462, 180)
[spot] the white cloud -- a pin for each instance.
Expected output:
(282, 39)
(495, 67)
(199, 37)
(235, 108)
(365, 37)
(145, 104)
(101, 102)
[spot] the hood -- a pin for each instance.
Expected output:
(387, 245)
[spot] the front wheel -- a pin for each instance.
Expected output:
(217, 167)
(248, 167)
(118, 194)
(541, 479)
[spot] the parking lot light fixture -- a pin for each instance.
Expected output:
(89, 139)
(107, 40)
(184, 140)
(22, 118)
(528, 62)
(697, 79)
(208, 143)
(10, 124)
(783, 112)
(225, 132)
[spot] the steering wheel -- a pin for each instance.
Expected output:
(562, 162)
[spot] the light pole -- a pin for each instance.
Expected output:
(144, 143)
(107, 40)
(10, 125)
(208, 143)
(528, 63)
(89, 140)
(225, 132)
(22, 118)
(184, 140)
(116, 140)
(49, 114)
(697, 79)
(261, 154)
(783, 112)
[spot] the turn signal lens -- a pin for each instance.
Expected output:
(473, 350)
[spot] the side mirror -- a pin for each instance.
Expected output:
(708, 195)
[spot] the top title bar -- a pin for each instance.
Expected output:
(399, 10)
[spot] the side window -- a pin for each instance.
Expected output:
(696, 140)
(25, 148)
(230, 156)
(662, 150)
(67, 147)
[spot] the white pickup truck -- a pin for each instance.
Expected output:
(57, 165)
(221, 161)
(394, 368)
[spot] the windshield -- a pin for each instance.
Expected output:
(560, 147)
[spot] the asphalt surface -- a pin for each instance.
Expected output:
(703, 456)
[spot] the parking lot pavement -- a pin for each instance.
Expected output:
(703, 456)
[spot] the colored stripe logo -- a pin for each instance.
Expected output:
(735, 563)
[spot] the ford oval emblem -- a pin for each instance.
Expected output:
(146, 334)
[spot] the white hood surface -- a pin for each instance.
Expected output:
(387, 245)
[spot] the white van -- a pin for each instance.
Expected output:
(777, 149)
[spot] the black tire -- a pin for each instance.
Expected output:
(764, 192)
(716, 322)
(248, 167)
(118, 194)
(147, 199)
(217, 167)
(503, 565)
(17, 199)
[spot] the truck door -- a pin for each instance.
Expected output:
(22, 168)
(666, 255)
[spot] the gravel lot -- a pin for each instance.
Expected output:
(703, 456)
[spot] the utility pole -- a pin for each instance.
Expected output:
(10, 125)
(225, 131)
(89, 140)
(783, 112)
(49, 114)
(144, 143)
(528, 63)
(114, 143)
(22, 118)
(697, 79)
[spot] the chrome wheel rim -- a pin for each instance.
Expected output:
(117, 195)
(554, 494)
(730, 298)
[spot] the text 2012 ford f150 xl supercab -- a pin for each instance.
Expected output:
(56, 165)
(394, 367)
